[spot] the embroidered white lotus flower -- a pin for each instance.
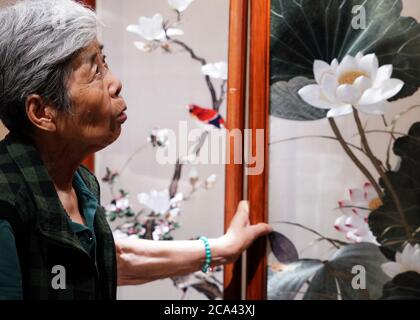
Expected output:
(159, 202)
(408, 260)
(153, 31)
(355, 82)
(180, 5)
(217, 70)
(355, 213)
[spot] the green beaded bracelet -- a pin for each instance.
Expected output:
(207, 263)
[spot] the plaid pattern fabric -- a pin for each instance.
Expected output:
(43, 235)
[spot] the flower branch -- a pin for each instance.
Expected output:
(203, 62)
(353, 157)
(317, 136)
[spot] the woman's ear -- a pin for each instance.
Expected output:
(40, 114)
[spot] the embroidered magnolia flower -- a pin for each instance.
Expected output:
(355, 82)
(129, 231)
(189, 159)
(174, 214)
(153, 31)
(110, 176)
(160, 230)
(118, 234)
(355, 213)
(159, 202)
(118, 205)
(193, 176)
(159, 137)
(408, 260)
(217, 70)
(211, 181)
(179, 5)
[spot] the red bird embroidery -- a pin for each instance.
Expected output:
(208, 117)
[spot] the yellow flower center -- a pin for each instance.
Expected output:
(350, 77)
(375, 204)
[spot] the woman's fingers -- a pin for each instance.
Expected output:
(244, 206)
(260, 229)
(241, 220)
(241, 217)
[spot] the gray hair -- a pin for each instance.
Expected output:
(38, 40)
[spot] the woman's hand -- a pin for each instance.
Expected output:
(240, 234)
(140, 261)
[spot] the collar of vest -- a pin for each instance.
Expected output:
(51, 218)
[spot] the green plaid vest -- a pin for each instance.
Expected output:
(44, 239)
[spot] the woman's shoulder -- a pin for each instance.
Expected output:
(11, 181)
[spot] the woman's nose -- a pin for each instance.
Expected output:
(115, 87)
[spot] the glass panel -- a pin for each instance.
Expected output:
(344, 162)
(161, 77)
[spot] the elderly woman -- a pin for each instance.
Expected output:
(61, 102)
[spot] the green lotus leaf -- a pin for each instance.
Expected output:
(405, 286)
(286, 103)
(332, 279)
(386, 223)
(303, 31)
(283, 248)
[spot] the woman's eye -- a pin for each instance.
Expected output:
(104, 62)
(97, 71)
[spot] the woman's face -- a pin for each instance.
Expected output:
(98, 110)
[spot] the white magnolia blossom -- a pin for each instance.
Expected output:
(211, 181)
(159, 202)
(217, 70)
(355, 212)
(119, 205)
(193, 173)
(160, 230)
(118, 234)
(159, 137)
(408, 260)
(179, 5)
(174, 214)
(189, 159)
(355, 82)
(145, 47)
(153, 31)
(193, 176)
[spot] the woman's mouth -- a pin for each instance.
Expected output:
(122, 117)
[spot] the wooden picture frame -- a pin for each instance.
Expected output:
(250, 102)
(387, 49)
(236, 100)
(259, 93)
